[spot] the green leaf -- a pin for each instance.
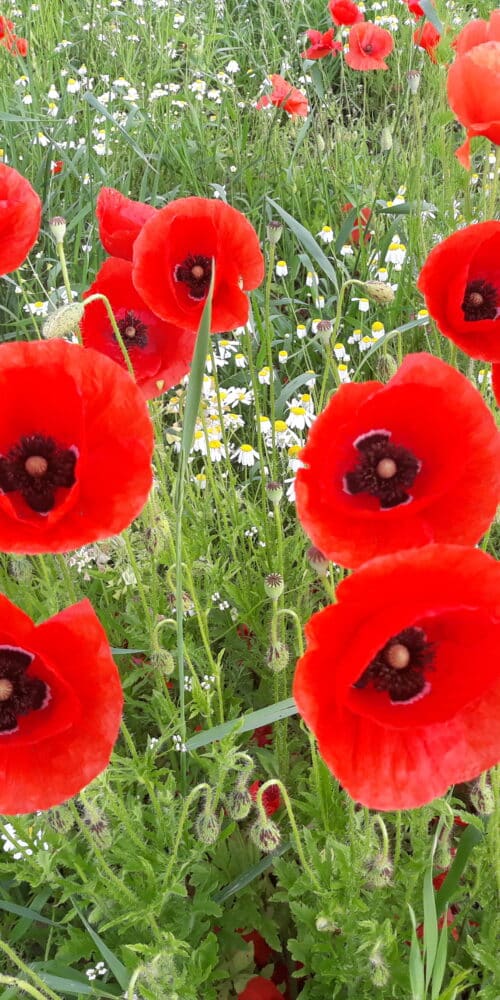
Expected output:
(289, 389)
(25, 911)
(416, 965)
(113, 963)
(431, 15)
(440, 963)
(250, 874)
(75, 987)
(263, 717)
(430, 925)
(121, 651)
(308, 242)
(94, 103)
(470, 837)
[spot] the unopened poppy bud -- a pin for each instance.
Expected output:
(386, 367)
(274, 231)
(57, 226)
(317, 560)
(162, 659)
(324, 331)
(320, 142)
(277, 657)
(61, 820)
(239, 803)
(482, 797)
(274, 492)
(20, 569)
(413, 76)
(97, 824)
(379, 291)
(443, 856)
(274, 585)
(207, 826)
(385, 139)
(265, 834)
(325, 925)
(378, 969)
(379, 871)
(63, 321)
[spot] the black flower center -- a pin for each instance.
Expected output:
(400, 666)
(195, 272)
(481, 301)
(368, 48)
(385, 470)
(19, 694)
(133, 331)
(36, 467)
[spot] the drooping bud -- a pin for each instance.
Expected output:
(57, 226)
(265, 834)
(413, 76)
(443, 855)
(63, 321)
(97, 824)
(61, 819)
(325, 925)
(324, 331)
(379, 871)
(379, 291)
(274, 585)
(162, 659)
(277, 657)
(274, 231)
(385, 139)
(482, 796)
(239, 803)
(274, 492)
(378, 969)
(207, 827)
(317, 560)
(386, 367)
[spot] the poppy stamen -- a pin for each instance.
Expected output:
(481, 301)
(195, 272)
(19, 694)
(399, 667)
(133, 330)
(36, 467)
(385, 470)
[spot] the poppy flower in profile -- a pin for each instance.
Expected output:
(400, 678)
(321, 44)
(160, 353)
(460, 282)
(473, 83)
(20, 214)
(368, 46)
(173, 263)
(120, 221)
(259, 988)
(60, 706)
(345, 12)
(427, 38)
(383, 472)
(360, 223)
(76, 444)
(284, 96)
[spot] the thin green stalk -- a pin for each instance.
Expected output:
(14, 958)
(98, 297)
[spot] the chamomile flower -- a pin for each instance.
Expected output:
(216, 450)
(264, 376)
(282, 357)
(326, 234)
(299, 418)
(281, 268)
(245, 455)
(301, 331)
(378, 330)
(240, 360)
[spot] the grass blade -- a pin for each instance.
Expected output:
(308, 242)
(113, 963)
(263, 717)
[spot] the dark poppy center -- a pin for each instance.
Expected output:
(481, 301)
(399, 667)
(133, 331)
(368, 48)
(195, 272)
(19, 694)
(36, 467)
(385, 470)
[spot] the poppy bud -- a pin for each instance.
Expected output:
(277, 657)
(97, 824)
(379, 871)
(482, 797)
(21, 569)
(274, 585)
(413, 76)
(317, 560)
(385, 139)
(162, 659)
(324, 924)
(61, 820)
(386, 367)
(378, 969)
(274, 231)
(239, 803)
(324, 329)
(274, 492)
(379, 292)
(265, 834)
(207, 823)
(443, 856)
(63, 321)
(57, 226)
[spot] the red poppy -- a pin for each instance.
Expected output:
(262, 953)
(321, 44)
(427, 38)
(21, 46)
(160, 353)
(368, 46)
(120, 221)
(271, 799)
(76, 444)
(259, 988)
(360, 224)
(345, 12)
(460, 281)
(57, 167)
(449, 917)
(384, 472)
(20, 214)
(495, 381)
(60, 706)
(283, 95)
(474, 83)
(414, 8)
(263, 735)
(173, 263)
(400, 679)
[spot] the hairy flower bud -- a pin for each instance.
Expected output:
(61, 819)
(239, 803)
(378, 969)
(379, 871)
(97, 824)
(57, 226)
(482, 797)
(277, 657)
(324, 331)
(385, 139)
(265, 834)
(379, 291)
(325, 925)
(386, 367)
(162, 659)
(63, 321)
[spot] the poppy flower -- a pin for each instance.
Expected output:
(448, 918)
(414, 8)
(60, 706)
(57, 166)
(460, 282)
(160, 353)
(120, 221)
(20, 214)
(271, 799)
(400, 681)
(383, 470)
(368, 46)
(259, 988)
(345, 12)
(173, 263)
(360, 224)
(283, 95)
(262, 953)
(321, 44)
(427, 38)
(76, 444)
(473, 83)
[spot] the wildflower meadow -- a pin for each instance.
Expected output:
(249, 483)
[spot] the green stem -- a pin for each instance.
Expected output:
(98, 297)
(64, 270)
(14, 958)
(291, 816)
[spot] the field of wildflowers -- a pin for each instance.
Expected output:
(249, 481)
